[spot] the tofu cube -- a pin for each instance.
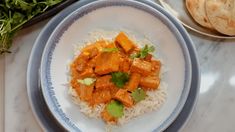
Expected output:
(124, 42)
(123, 96)
(86, 92)
(104, 82)
(133, 82)
(140, 66)
(156, 66)
(125, 65)
(102, 96)
(107, 62)
(149, 82)
(88, 72)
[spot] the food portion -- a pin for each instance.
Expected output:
(197, 10)
(214, 14)
(115, 77)
(221, 14)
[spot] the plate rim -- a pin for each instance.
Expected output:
(51, 100)
(34, 53)
(56, 18)
(162, 3)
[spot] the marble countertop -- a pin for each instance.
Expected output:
(214, 111)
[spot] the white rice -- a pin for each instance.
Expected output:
(153, 101)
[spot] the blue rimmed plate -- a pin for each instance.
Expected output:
(34, 92)
(101, 14)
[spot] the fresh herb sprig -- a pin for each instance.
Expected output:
(15, 13)
(143, 52)
(87, 81)
(119, 78)
(138, 95)
(115, 108)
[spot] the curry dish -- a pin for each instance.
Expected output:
(116, 73)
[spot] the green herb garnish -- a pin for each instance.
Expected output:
(87, 81)
(138, 95)
(115, 108)
(15, 13)
(109, 49)
(119, 78)
(143, 52)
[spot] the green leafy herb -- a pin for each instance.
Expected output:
(119, 78)
(134, 55)
(15, 13)
(87, 81)
(109, 49)
(115, 108)
(143, 52)
(138, 95)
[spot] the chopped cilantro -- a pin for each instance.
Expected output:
(119, 78)
(110, 49)
(15, 13)
(115, 108)
(143, 52)
(138, 95)
(87, 81)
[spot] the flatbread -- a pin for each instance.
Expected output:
(221, 14)
(197, 10)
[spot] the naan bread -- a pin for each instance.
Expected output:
(197, 10)
(221, 14)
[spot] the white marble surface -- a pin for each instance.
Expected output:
(2, 70)
(214, 111)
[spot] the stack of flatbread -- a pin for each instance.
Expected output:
(214, 14)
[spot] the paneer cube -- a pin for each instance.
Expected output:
(113, 90)
(86, 92)
(156, 66)
(107, 117)
(102, 96)
(88, 72)
(104, 82)
(133, 82)
(149, 82)
(107, 62)
(80, 62)
(125, 65)
(140, 66)
(124, 42)
(124, 96)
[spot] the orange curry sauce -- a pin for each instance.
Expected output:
(93, 62)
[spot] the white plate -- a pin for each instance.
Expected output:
(115, 15)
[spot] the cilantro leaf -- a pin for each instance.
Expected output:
(115, 108)
(143, 52)
(87, 81)
(138, 95)
(134, 55)
(119, 78)
(109, 49)
(15, 13)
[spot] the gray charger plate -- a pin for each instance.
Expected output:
(38, 105)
